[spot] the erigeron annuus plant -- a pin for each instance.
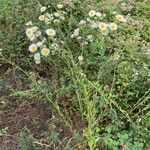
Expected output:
(45, 39)
(95, 21)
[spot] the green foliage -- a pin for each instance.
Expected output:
(27, 141)
(109, 89)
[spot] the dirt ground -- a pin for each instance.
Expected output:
(36, 116)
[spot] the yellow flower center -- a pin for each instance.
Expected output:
(105, 31)
(29, 32)
(91, 13)
(50, 32)
(34, 48)
(45, 51)
(120, 17)
(112, 26)
(102, 26)
(42, 17)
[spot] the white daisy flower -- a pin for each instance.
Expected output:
(45, 52)
(38, 33)
(104, 14)
(102, 26)
(72, 36)
(84, 43)
(121, 18)
(98, 14)
(56, 14)
(56, 21)
(52, 15)
(94, 25)
(62, 42)
(51, 18)
(89, 20)
(42, 9)
(64, 12)
(62, 17)
(80, 59)
(50, 32)
(48, 15)
(33, 47)
(114, 12)
(52, 52)
(42, 18)
(38, 62)
(47, 20)
(29, 32)
(29, 23)
(82, 22)
(59, 6)
(39, 44)
(55, 46)
(79, 38)
(76, 32)
(32, 38)
(44, 40)
(90, 37)
(37, 58)
(113, 26)
(34, 29)
(105, 32)
(92, 13)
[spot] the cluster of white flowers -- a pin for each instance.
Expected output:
(44, 42)
(43, 9)
(105, 28)
(121, 18)
(37, 58)
(94, 13)
(87, 40)
(75, 33)
(94, 22)
(84, 41)
(51, 32)
(35, 36)
(55, 47)
(32, 32)
(82, 22)
(90, 38)
(54, 17)
(44, 51)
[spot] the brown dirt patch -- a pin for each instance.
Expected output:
(34, 116)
